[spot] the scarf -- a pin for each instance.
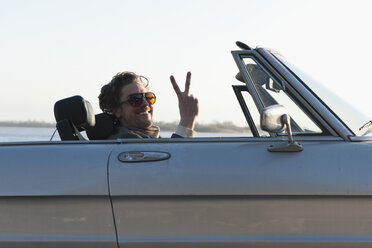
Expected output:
(133, 132)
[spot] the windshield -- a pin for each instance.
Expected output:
(352, 117)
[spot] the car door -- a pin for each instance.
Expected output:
(233, 192)
(55, 194)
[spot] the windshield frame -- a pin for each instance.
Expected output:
(336, 125)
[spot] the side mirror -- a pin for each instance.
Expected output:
(272, 119)
(275, 119)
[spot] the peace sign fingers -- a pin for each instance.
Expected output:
(188, 104)
(177, 88)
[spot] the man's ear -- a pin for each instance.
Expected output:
(117, 112)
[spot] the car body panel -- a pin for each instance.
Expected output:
(55, 196)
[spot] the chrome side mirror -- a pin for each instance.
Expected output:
(272, 118)
(275, 119)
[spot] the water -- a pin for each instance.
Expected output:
(13, 134)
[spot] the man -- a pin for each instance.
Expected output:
(127, 97)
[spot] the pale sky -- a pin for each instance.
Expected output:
(50, 50)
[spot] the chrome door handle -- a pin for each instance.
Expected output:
(135, 156)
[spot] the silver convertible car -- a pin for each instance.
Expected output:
(299, 178)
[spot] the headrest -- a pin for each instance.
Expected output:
(103, 129)
(77, 110)
(257, 74)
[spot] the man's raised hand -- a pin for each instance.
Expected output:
(187, 103)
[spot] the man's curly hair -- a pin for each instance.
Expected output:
(109, 98)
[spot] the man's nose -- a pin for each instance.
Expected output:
(145, 102)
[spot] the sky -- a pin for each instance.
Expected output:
(50, 50)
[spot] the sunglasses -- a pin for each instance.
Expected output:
(135, 100)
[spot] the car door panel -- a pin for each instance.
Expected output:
(55, 196)
(238, 194)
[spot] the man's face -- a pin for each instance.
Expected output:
(129, 116)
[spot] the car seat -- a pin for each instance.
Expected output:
(75, 114)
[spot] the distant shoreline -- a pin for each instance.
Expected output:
(218, 127)
(26, 124)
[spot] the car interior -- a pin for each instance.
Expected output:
(75, 114)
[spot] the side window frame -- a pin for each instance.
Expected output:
(238, 92)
